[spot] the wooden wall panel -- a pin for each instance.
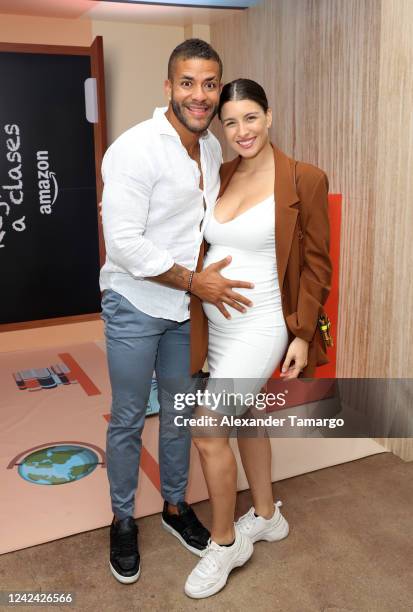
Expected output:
(391, 308)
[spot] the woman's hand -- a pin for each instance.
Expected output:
(297, 353)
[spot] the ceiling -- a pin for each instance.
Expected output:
(198, 3)
(134, 11)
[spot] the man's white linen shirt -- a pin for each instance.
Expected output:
(153, 212)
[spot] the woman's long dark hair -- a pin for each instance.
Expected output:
(243, 89)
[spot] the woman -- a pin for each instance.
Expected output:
(284, 252)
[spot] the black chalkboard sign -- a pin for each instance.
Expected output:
(49, 235)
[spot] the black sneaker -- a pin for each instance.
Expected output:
(124, 553)
(186, 527)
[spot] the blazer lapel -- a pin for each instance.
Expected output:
(285, 215)
(227, 171)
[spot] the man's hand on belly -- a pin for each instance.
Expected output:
(210, 286)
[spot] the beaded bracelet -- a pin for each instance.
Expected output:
(191, 276)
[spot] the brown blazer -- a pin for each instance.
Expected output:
(302, 252)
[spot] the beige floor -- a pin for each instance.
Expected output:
(350, 549)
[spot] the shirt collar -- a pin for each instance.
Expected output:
(165, 127)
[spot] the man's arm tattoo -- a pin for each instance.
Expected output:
(176, 277)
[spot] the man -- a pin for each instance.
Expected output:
(161, 181)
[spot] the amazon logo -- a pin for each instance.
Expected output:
(48, 186)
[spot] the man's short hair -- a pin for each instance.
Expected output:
(191, 48)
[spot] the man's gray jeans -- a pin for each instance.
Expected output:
(137, 344)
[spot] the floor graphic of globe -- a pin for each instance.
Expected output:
(57, 465)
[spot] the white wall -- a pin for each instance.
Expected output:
(136, 59)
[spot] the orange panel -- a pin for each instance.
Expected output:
(331, 307)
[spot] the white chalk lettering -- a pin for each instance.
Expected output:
(19, 225)
(13, 145)
(13, 155)
(16, 173)
(3, 233)
(11, 129)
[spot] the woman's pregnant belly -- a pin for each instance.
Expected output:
(255, 267)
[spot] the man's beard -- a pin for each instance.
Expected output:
(194, 129)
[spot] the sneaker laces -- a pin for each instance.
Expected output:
(247, 520)
(126, 544)
(209, 560)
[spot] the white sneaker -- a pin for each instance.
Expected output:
(258, 528)
(211, 573)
